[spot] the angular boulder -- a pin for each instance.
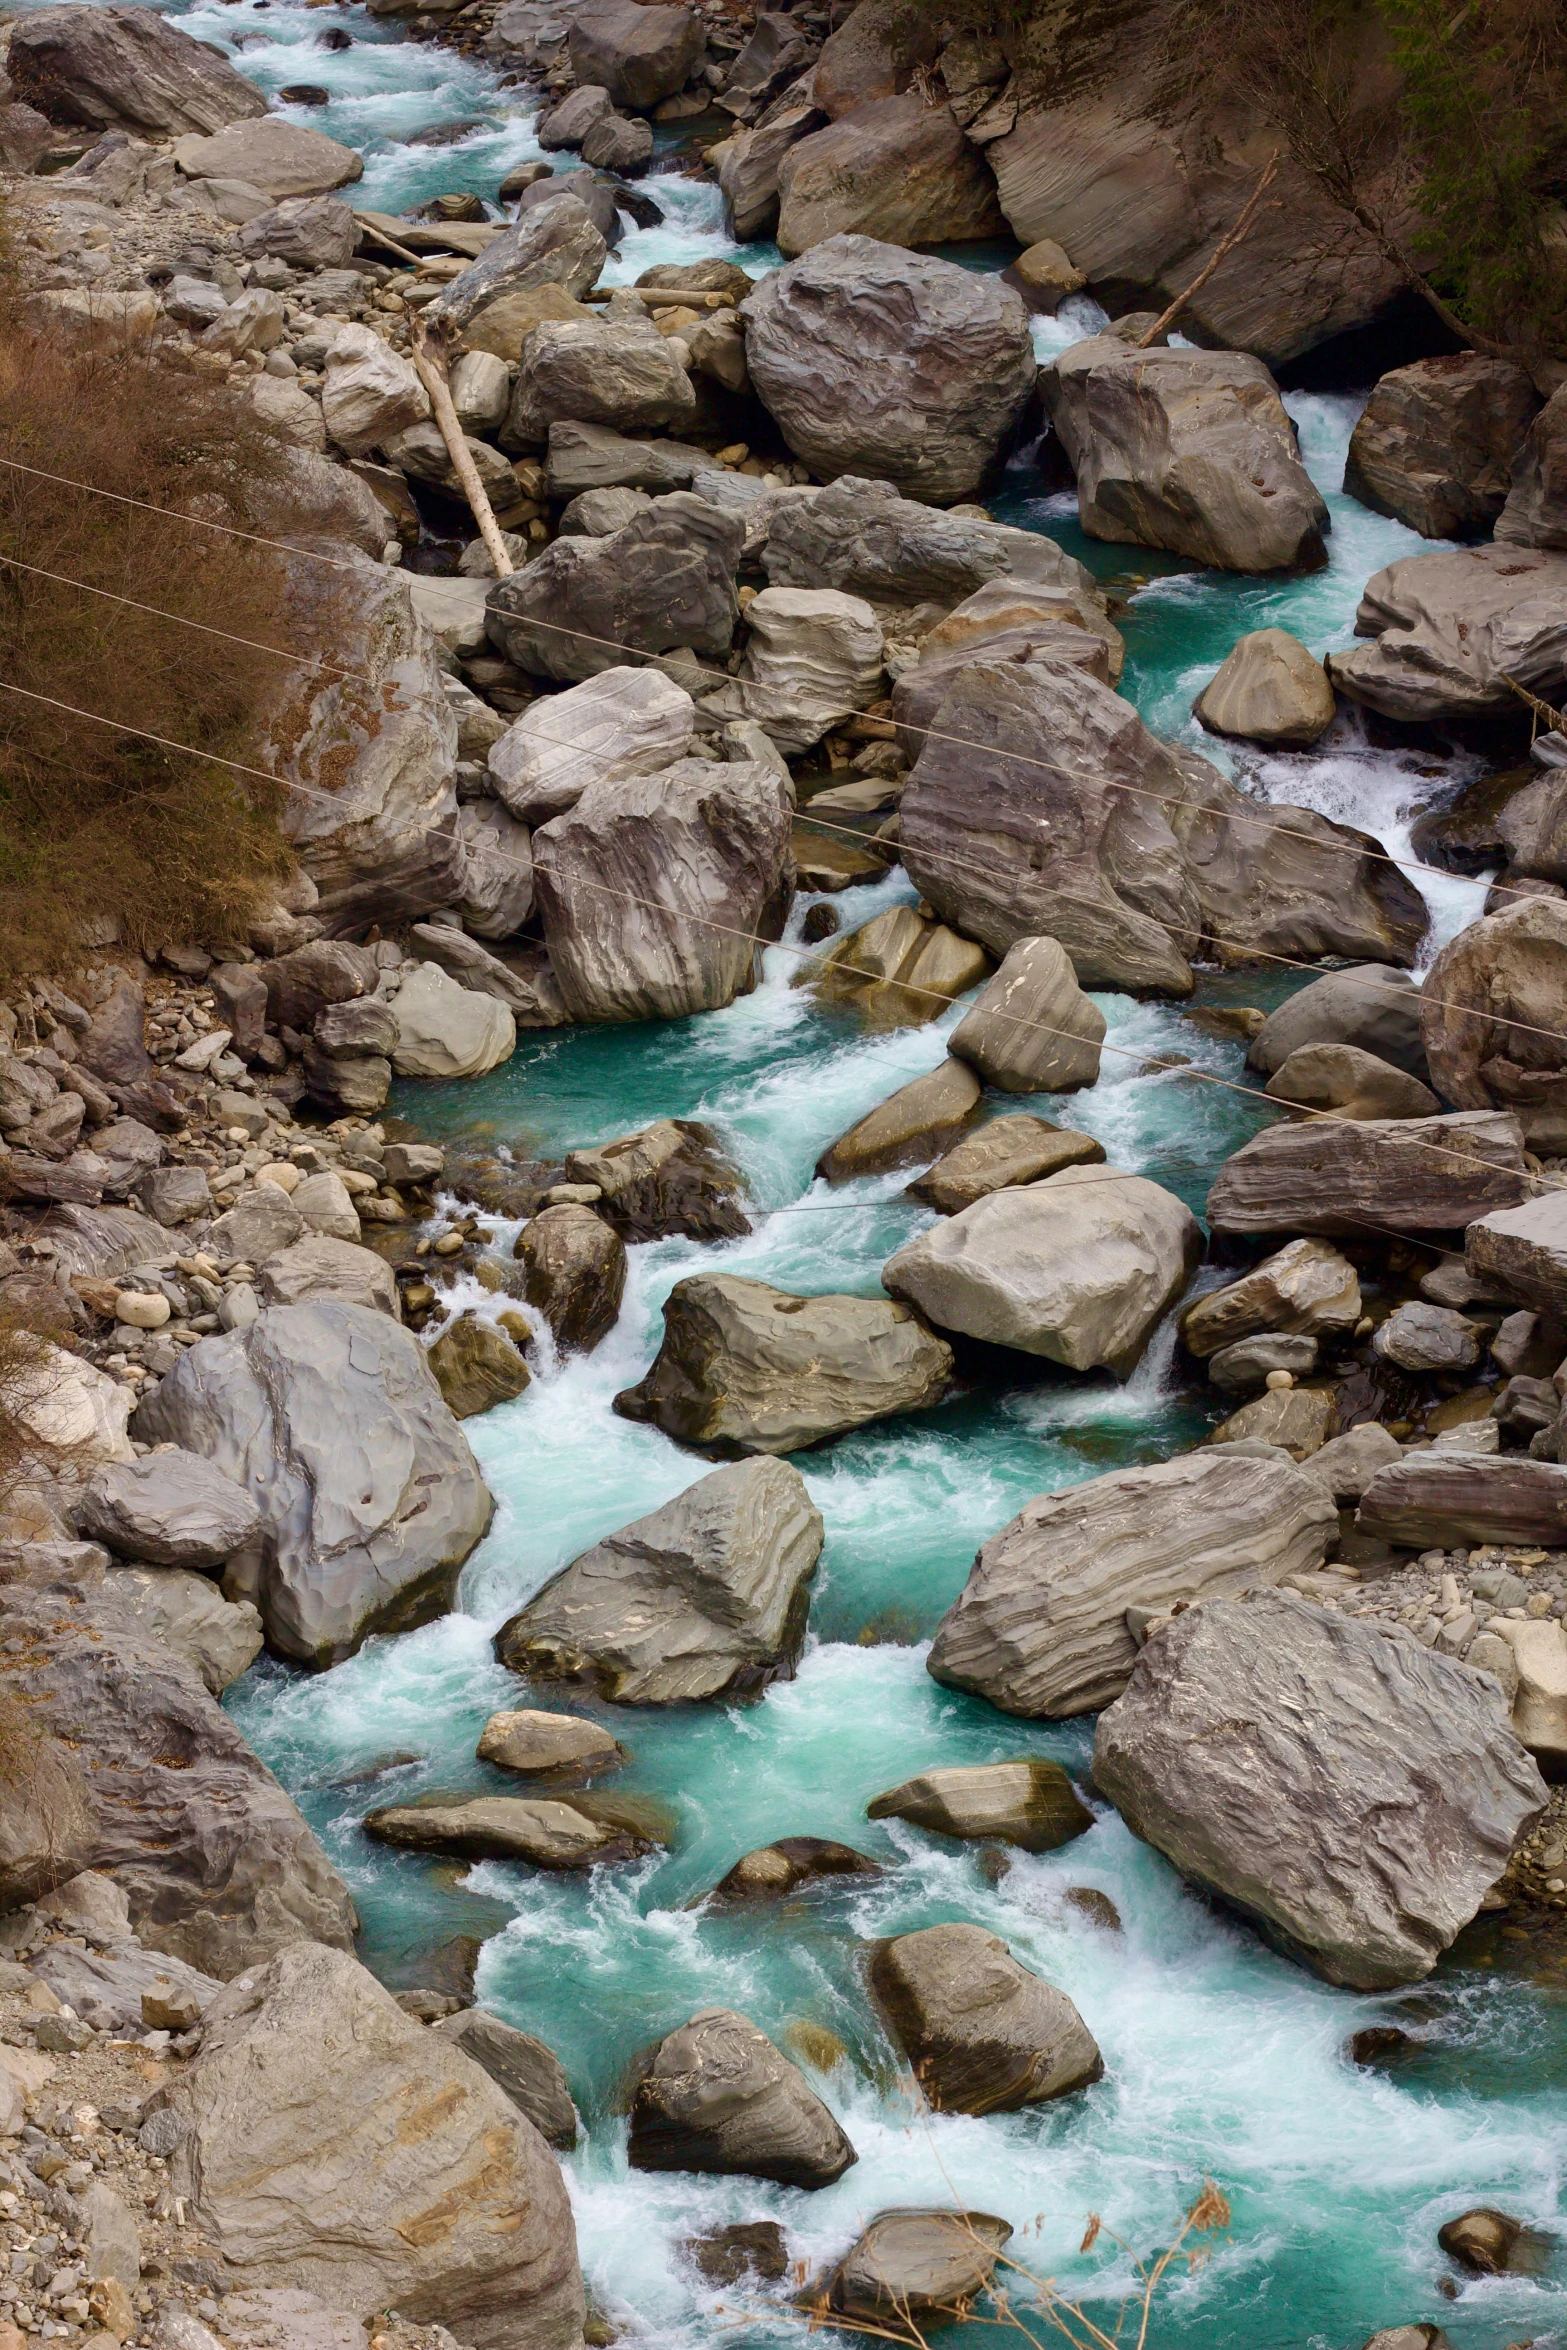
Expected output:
(899, 971)
(1523, 1251)
(553, 244)
(666, 581)
(370, 392)
(717, 2096)
(639, 54)
(706, 1597)
(125, 69)
(476, 1367)
(983, 2033)
(442, 2200)
(1188, 450)
(1470, 1498)
(1079, 1268)
(1449, 629)
(1535, 514)
(1434, 444)
(912, 2267)
(1000, 1155)
(218, 1638)
(813, 658)
(523, 2069)
(497, 863)
(1268, 690)
(447, 1030)
(1327, 1176)
(897, 169)
(1393, 1780)
(617, 372)
(370, 1497)
(1375, 1008)
(652, 890)
(1493, 1016)
(1351, 1083)
(1040, 1627)
(47, 1828)
(669, 1177)
(621, 723)
(1305, 1289)
(319, 1266)
(890, 364)
(171, 1509)
(911, 1124)
(1031, 1803)
(750, 1368)
(575, 1273)
(1031, 1029)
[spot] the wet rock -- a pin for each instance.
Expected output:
(1423, 1337)
(218, 1865)
(319, 1266)
(1394, 1841)
(889, 364)
(790, 1865)
(218, 1638)
(1306, 1289)
(1078, 1268)
(1032, 1029)
(1434, 444)
(370, 1497)
(1242, 1368)
(638, 54)
(1189, 450)
(1494, 1010)
(1354, 1084)
(575, 1274)
(544, 1742)
(983, 2033)
(476, 1367)
(1535, 514)
(1030, 1803)
(125, 68)
(620, 373)
(545, 1831)
(717, 2096)
(897, 169)
(1492, 2244)
(1269, 690)
(914, 2266)
(280, 2188)
(908, 1127)
(997, 1156)
(1448, 630)
(1522, 1252)
(621, 723)
(729, 2255)
(1400, 1175)
(898, 971)
(669, 1177)
(1452, 1498)
(705, 1596)
(748, 1367)
(172, 1509)
(274, 157)
(522, 2068)
(1040, 1627)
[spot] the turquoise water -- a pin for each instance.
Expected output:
(1220, 2057)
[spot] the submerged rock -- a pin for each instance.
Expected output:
(1493, 2244)
(1393, 1778)
(912, 2265)
(476, 1367)
(1030, 1803)
(983, 2033)
(717, 2096)
(789, 1865)
(1041, 1625)
(705, 1597)
(546, 1831)
(751, 1368)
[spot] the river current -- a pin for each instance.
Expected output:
(1221, 2057)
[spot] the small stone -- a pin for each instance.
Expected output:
(142, 1309)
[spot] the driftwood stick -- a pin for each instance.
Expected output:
(430, 360)
(1226, 244)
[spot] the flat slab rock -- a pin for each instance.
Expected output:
(1352, 1792)
(547, 1831)
(1466, 1498)
(1040, 1627)
(1400, 1174)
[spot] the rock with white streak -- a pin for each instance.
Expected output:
(621, 723)
(1539, 1699)
(1031, 1028)
(623, 374)
(1393, 1780)
(1040, 1628)
(369, 392)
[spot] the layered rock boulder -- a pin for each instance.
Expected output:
(653, 890)
(1031, 1804)
(1001, 1154)
(750, 1368)
(983, 2033)
(370, 1499)
(1493, 1016)
(442, 2199)
(618, 372)
(638, 54)
(1040, 1627)
(717, 2096)
(1434, 444)
(1031, 1029)
(523, 2069)
(896, 169)
(1306, 1290)
(552, 244)
(621, 723)
(1535, 514)
(890, 364)
(218, 1638)
(1188, 450)
(665, 581)
(910, 1125)
(1328, 1176)
(1523, 1252)
(706, 1597)
(1393, 1779)
(672, 1176)
(1352, 1084)
(1078, 1268)
(123, 68)
(1469, 1498)
(913, 2267)
(1375, 1007)
(812, 659)
(1448, 630)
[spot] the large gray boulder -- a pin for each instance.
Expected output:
(218, 1866)
(1031, 1029)
(550, 244)
(574, 1272)
(717, 2096)
(897, 169)
(370, 1497)
(371, 810)
(441, 2200)
(1448, 630)
(652, 890)
(1493, 1017)
(1434, 444)
(1079, 1268)
(172, 1509)
(752, 1368)
(1189, 450)
(218, 1638)
(1397, 1174)
(621, 723)
(890, 364)
(664, 582)
(1523, 1251)
(319, 1266)
(1452, 1498)
(1535, 514)
(497, 865)
(617, 372)
(1306, 1289)
(48, 1833)
(1040, 1627)
(706, 1597)
(124, 69)
(1374, 1007)
(983, 2033)
(1387, 1773)
(522, 2068)
(370, 392)
(1042, 805)
(276, 158)
(639, 54)
(445, 1029)
(1350, 1083)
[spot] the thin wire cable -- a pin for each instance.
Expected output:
(1536, 1182)
(722, 677)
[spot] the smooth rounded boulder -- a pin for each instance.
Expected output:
(1375, 1007)
(1268, 690)
(574, 1271)
(1031, 1029)
(910, 1125)
(890, 364)
(999, 1155)
(170, 1509)
(1079, 1268)
(1351, 1083)
(912, 2265)
(370, 1499)
(1394, 1781)
(983, 2033)
(1493, 1017)
(717, 2096)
